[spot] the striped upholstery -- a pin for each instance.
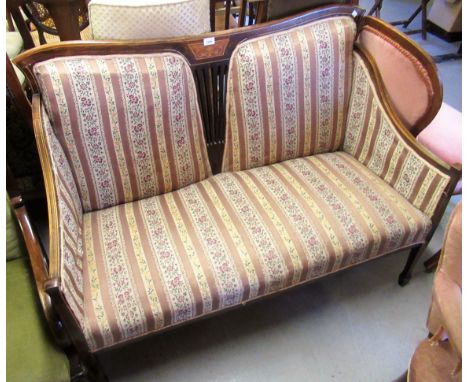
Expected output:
(373, 140)
(130, 126)
(234, 237)
(70, 217)
(288, 94)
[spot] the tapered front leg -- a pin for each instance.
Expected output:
(413, 257)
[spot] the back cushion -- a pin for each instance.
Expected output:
(288, 94)
(130, 126)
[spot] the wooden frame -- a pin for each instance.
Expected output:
(453, 172)
(48, 280)
(209, 65)
(81, 365)
(417, 54)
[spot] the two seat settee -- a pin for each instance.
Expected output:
(317, 175)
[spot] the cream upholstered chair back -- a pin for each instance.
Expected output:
(147, 19)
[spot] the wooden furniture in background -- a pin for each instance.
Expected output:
(422, 8)
(222, 14)
(21, 150)
(63, 18)
(277, 9)
(260, 11)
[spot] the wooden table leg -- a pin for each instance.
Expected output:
(212, 14)
(65, 15)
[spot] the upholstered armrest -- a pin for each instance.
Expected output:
(65, 214)
(448, 297)
(377, 138)
(408, 73)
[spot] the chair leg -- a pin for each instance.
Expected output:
(412, 17)
(376, 8)
(94, 370)
(88, 370)
(413, 257)
(424, 19)
(431, 264)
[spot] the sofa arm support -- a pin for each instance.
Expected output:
(65, 216)
(376, 137)
(40, 273)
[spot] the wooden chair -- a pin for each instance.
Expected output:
(251, 12)
(53, 20)
(260, 11)
(222, 14)
(21, 151)
(422, 8)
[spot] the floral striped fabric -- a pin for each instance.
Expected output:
(234, 237)
(130, 126)
(288, 94)
(374, 141)
(70, 217)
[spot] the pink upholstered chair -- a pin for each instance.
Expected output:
(443, 136)
(439, 358)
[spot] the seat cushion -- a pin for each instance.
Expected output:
(31, 354)
(130, 125)
(148, 19)
(288, 93)
(234, 237)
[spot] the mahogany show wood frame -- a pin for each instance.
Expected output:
(210, 67)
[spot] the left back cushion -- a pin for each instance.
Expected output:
(130, 126)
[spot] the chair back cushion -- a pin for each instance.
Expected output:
(148, 19)
(130, 126)
(288, 94)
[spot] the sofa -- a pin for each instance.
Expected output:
(31, 353)
(187, 177)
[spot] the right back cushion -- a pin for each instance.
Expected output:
(288, 94)
(129, 125)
